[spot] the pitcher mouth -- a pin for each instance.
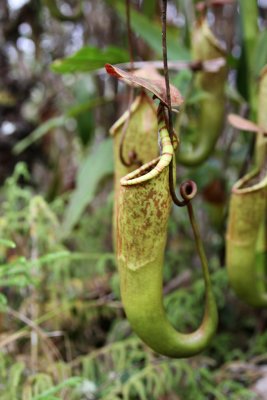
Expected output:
(253, 181)
(130, 179)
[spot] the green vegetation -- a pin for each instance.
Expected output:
(63, 329)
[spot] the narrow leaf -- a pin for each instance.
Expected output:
(57, 122)
(85, 106)
(95, 167)
(89, 59)
(149, 8)
(260, 54)
(3, 302)
(39, 132)
(150, 31)
(70, 382)
(7, 243)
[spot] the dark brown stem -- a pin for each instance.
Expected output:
(188, 189)
(198, 242)
(165, 64)
(168, 95)
(129, 32)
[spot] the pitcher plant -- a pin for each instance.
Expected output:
(142, 218)
(135, 134)
(211, 108)
(246, 255)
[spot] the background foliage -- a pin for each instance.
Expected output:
(63, 333)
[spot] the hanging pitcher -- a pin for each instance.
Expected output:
(143, 213)
(246, 250)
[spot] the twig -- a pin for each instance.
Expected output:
(37, 329)
(12, 338)
(104, 301)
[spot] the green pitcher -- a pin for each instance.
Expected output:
(246, 251)
(143, 213)
(140, 139)
(211, 107)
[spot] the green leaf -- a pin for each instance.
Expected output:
(197, 96)
(85, 106)
(3, 302)
(89, 59)
(97, 165)
(140, 389)
(7, 243)
(149, 8)
(150, 31)
(51, 257)
(50, 398)
(39, 132)
(260, 53)
(58, 122)
(49, 393)
(182, 81)
(233, 94)
(15, 375)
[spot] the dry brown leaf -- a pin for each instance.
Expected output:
(148, 72)
(202, 5)
(155, 86)
(221, 2)
(243, 124)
